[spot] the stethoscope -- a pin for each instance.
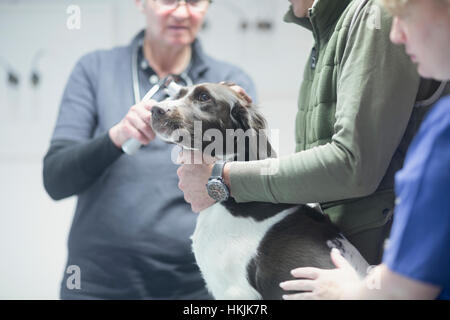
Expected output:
(172, 82)
(182, 78)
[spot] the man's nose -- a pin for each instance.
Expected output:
(181, 11)
(397, 35)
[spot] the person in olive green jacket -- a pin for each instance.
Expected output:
(361, 101)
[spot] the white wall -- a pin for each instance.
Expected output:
(33, 228)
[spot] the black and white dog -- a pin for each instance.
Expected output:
(244, 250)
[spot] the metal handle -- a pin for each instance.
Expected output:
(131, 146)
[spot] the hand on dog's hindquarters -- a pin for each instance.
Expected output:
(324, 284)
(135, 124)
(193, 175)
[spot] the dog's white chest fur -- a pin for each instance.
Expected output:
(224, 245)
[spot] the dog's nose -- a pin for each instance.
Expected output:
(157, 112)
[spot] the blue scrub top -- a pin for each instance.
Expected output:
(419, 245)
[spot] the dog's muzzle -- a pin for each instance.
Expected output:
(158, 112)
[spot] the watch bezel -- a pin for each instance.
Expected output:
(217, 189)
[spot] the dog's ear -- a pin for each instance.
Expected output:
(247, 117)
(239, 116)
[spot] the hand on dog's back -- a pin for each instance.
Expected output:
(239, 90)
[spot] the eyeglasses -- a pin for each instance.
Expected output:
(197, 5)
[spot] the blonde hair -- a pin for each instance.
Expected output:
(395, 7)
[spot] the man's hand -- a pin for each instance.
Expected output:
(239, 90)
(323, 284)
(135, 124)
(193, 176)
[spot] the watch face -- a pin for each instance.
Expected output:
(217, 190)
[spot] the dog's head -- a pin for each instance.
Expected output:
(214, 118)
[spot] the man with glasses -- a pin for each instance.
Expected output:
(130, 236)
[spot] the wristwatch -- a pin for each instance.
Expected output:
(217, 189)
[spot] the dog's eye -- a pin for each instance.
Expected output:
(203, 97)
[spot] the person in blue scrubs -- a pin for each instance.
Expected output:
(416, 262)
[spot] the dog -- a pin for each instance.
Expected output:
(244, 250)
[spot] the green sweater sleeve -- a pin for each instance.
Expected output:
(376, 89)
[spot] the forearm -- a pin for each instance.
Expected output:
(71, 167)
(321, 174)
(367, 131)
(383, 284)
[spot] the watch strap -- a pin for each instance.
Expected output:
(217, 171)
